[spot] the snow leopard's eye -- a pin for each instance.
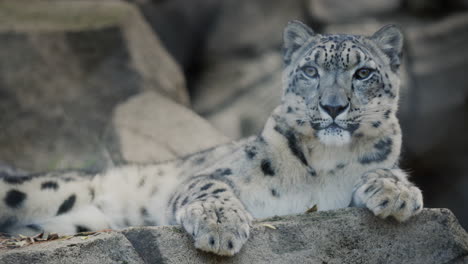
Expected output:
(363, 73)
(310, 71)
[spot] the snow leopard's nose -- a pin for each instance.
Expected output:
(333, 101)
(334, 109)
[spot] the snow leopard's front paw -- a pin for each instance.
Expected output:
(218, 228)
(387, 193)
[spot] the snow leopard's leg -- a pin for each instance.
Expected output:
(59, 202)
(87, 218)
(209, 210)
(387, 192)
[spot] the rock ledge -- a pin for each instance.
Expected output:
(343, 236)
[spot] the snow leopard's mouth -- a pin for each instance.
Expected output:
(334, 126)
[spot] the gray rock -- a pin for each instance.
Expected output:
(181, 25)
(343, 236)
(249, 27)
(152, 128)
(102, 248)
(332, 11)
(238, 95)
(64, 66)
(435, 127)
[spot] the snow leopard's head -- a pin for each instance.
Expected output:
(339, 87)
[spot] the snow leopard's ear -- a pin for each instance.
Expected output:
(390, 40)
(295, 35)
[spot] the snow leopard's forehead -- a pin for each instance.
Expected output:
(336, 52)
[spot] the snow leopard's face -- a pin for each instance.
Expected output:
(340, 86)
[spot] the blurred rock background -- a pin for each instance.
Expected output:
(90, 84)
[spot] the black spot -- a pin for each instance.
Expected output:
(199, 160)
(340, 166)
(35, 228)
(185, 201)
(144, 212)
(192, 185)
(311, 171)
(16, 179)
(376, 124)
(174, 204)
(206, 186)
(274, 193)
(359, 135)
(80, 229)
(384, 203)
(230, 244)
(222, 172)
(403, 205)
(370, 188)
(92, 193)
(250, 151)
(293, 144)
(290, 110)
(266, 168)
(212, 241)
(353, 127)
(219, 191)
(14, 198)
(383, 148)
(49, 185)
(201, 196)
(67, 205)
(387, 114)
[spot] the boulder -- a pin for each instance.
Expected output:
(333, 11)
(343, 236)
(64, 66)
(238, 95)
(435, 127)
(102, 248)
(181, 25)
(152, 128)
(249, 27)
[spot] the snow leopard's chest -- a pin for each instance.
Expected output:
(296, 191)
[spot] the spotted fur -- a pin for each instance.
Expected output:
(333, 142)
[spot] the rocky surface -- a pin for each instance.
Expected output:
(182, 25)
(64, 66)
(153, 128)
(439, 110)
(248, 27)
(333, 11)
(238, 95)
(342, 236)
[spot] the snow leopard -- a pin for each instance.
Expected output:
(333, 142)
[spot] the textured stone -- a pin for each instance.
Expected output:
(64, 66)
(181, 25)
(102, 248)
(248, 27)
(238, 95)
(343, 236)
(332, 11)
(435, 125)
(152, 128)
